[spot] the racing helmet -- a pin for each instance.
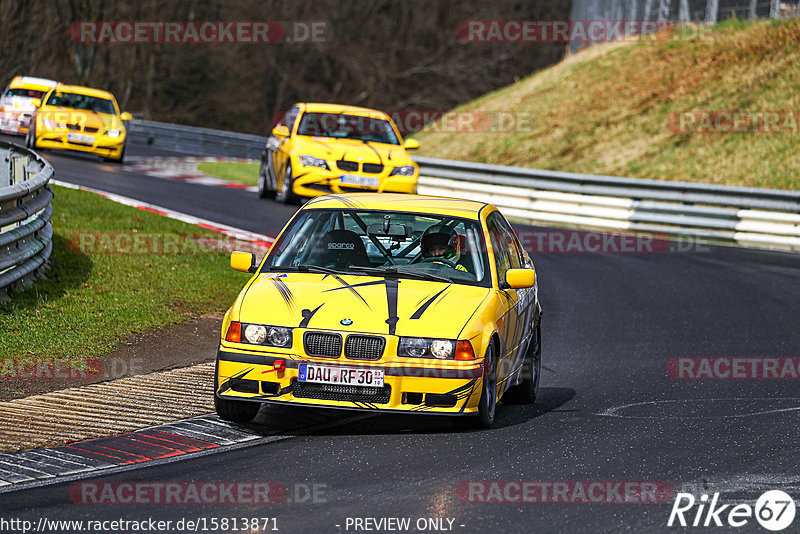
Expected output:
(440, 237)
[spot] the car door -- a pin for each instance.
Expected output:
(505, 258)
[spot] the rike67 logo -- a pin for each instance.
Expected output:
(774, 510)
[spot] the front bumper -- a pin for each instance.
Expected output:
(413, 387)
(314, 181)
(103, 145)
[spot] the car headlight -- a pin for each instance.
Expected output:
(311, 161)
(49, 123)
(418, 347)
(405, 170)
(272, 336)
(113, 133)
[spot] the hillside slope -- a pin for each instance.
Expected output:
(629, 109)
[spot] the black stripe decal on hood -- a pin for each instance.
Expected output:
(350, 287)
(284, 290)
(391, 299)
(417, 314)
(307, 315)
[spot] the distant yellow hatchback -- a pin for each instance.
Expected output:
(332, 148)
(73, 117)
(388, 303)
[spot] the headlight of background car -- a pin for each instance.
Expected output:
(311, 161)
(113, 133)
(47, 122)
(405, 170)
(419, 347)
(274, 336)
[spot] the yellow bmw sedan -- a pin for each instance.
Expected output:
(73, 117)
(331, 148)
(384, 302)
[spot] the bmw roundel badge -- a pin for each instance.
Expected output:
(346, 322)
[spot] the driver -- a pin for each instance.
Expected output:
(442, 243)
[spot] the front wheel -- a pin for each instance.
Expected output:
(266, 178)
(286, 194)
(121, 158)
(488, 402)
(236, 411)
(30, 139)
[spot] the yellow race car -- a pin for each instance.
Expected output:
(330, 148)
(384, 302)
(72, 117)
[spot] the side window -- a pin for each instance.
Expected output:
(502, 257)
(516, 256)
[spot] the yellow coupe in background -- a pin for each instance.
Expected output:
(72, 117)
(331, 148)
(384, 302)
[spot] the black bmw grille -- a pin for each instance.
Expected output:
(372, 168)
(358, 347)
(322, 344)
(304, 390)
(345, 165)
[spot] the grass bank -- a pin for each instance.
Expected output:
(115, 270)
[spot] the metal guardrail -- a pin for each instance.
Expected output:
(741, 215)
(26, 236)
(764, 218)
(195, 140)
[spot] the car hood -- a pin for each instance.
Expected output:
(377, 305)
(91, 119)
(335, 149)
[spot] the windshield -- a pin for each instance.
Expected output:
(343, 126)
(377, 243)
(78, 101)
(25, 93)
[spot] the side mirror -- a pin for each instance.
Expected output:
(36, 103)
(411, 144)
(280, 131)
(520, 278)
(243, 261)
(125, 116)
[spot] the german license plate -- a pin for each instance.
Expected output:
(80, 138)
(354, 179)
(347, 376)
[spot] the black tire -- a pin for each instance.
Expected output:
(526, 391)
(266, 177)
(487, 406)
(30, 139)
(236, 411)
(286, 194)
(121, 158)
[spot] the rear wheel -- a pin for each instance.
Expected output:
(488, 402)
(286, 194)
(236, 411)
(526, 391)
